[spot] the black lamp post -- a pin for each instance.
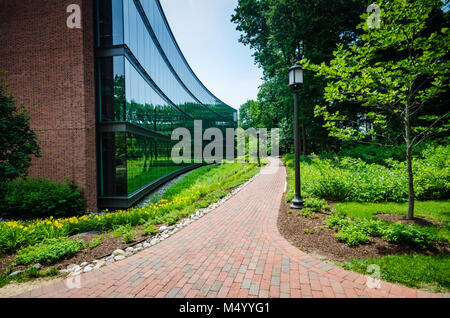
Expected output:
(295, 83)
(257, 150)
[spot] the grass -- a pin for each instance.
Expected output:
(29, 274)
(433, 210)
(419, 271)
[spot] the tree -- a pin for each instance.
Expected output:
(396, 72)
(282, 32)
(18, 142)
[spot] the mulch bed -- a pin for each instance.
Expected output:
(324, 245)
(105, 248)
(402, 218)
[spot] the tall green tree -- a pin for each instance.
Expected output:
(18, 143)
(396, 71)
(281, 32)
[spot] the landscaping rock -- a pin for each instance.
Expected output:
(128, 254)
(64, 271)
(137, 250)
(119, 257)
(37, 266)
(72, 267)
(138, 245)
(154, 241)
(118, 252)
(76, 273)
(146, 245)
(129, 249)
(88, 269)
(84, 264)
(162, 228)
(15, 273)
(110, 260)
(100, 264)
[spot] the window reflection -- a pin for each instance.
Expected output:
(131, 161)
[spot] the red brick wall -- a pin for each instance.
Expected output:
(52, 66)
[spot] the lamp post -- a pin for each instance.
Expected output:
(295, 83)
(257, 150)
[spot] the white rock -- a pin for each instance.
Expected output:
(138, 245)
(118, 252)
(129, 249)
(37, 266)
(87, 269)
(76, 273)
(84, 264)
(162, 228)
(119, 257)
(146, 245)
(154, 242)
(128, 254)
(64, 271)
(110, 260)
(137, 250)
(15, 273)
(98, 265)
(73, 267)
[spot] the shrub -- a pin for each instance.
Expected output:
(400, 233)
(149, 229)
(317, 205)
(129, 237)
(25, 198)
(307, 213)
(48, 251)
(357, 231)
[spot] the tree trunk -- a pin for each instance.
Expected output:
(409, 164)
(410, 184)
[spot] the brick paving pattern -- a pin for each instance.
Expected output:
(234, 251)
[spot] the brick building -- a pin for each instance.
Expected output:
(108, 94)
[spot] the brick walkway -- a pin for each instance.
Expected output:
(234, 251)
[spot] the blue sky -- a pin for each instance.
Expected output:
(209, 41)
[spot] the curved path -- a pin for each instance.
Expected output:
(234, 251)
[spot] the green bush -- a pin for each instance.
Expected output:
(357, 231)
(400, 233)
(129, 237)
(317, 205)
(30, 198)
(149, 229)
(307, 213)
(48, 251)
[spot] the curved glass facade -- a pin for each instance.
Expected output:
(145, 90)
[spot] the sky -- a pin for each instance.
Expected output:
(209, 42)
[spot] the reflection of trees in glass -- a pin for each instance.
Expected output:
(119, 98)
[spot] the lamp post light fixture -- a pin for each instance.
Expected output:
(295, 83)
(257, 150)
